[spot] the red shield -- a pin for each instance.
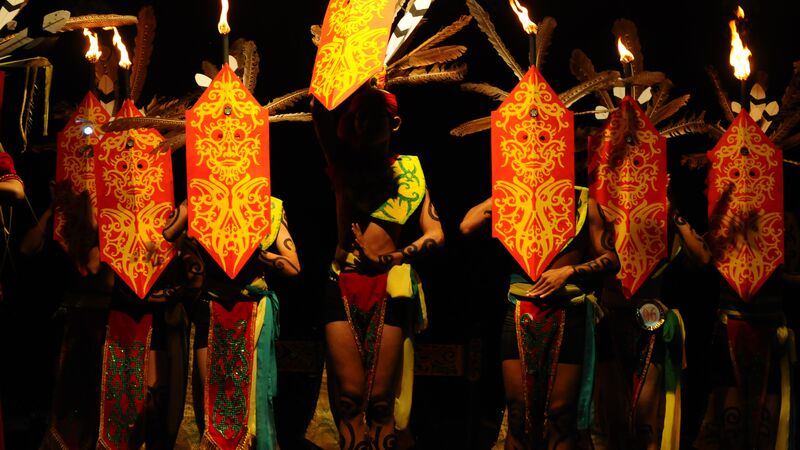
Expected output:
(352, 47)
(745, 206)
(134, 201)
(74, 161)
(533, 175)
(227, 165)
(628, 178)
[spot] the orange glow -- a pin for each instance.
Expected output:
(740, 55)
(522, 13)
(625, 56)
(124, 61)
(223, 26)
(94, 53)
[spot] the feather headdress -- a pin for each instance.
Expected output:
(780, 121)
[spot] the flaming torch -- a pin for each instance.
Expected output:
(626, 58)
(92, 55)
(124, 63)
(740, 55)
(529, 26)
(224, 30)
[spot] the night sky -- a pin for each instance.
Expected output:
(465, 281)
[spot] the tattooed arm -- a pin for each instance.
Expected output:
(601, 236)
(694, 244)
(431, 239)
(476, 217)
(286, 260)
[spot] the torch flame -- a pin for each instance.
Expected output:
(223, 26)
(625, 56)
(94, 53)
(740, 55)
(522, 13)
(124, 61)
(739, 12)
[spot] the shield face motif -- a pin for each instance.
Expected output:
(74, 159)
(227, 167)
(352, 48)
(533, 175)
(134, 202)
(628, 179)
(745, 206)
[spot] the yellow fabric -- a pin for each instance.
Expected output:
(786, 338)
(398, 282)
(251, 417)
(410, 191)
(275, 216)
(671, 434)
(402, 401)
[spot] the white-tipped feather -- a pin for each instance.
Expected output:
(9, 10)
(410, 20)
(202, 80)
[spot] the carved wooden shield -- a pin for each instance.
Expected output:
(628, 179)
(745, 206)
(352, 47)
(134, 201)
(533, 176)
(227, 167)
(74, 159)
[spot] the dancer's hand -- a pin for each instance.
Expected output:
(363, 247)
(550, 281)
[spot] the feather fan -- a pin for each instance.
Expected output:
(246, 54)
(209, 69)
(129, 123)
(291, 117)
(791, 96)
(145, 34)
(430, 56)
(790, 142)
(660, 96)
(669, 109)
(435, 74)
(694, 124)
(582, 68)
(473, 126)
(785, 126)
(486, 25)
(407, 26)
(172, 143)
(626, 31)
(440, 36)
(98, 21)
(495, 93)
(722, 99)
(544, 37)
(646, 78)
(598, 84)
(286, 101)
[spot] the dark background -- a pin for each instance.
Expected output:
(465, 281)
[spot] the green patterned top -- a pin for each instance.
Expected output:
(410, 191)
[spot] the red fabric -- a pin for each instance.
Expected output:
(6, 164)
(124, 384)
(228, 375)
(364, 291)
